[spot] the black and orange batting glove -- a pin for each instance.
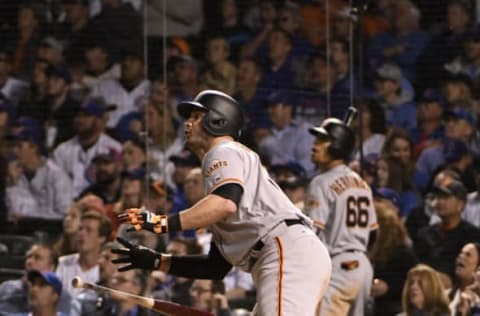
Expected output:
(141, 218)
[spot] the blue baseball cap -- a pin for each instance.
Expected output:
(48, 277)
(109, 155)
(30, 134)
(460, 114)
(389, 194)
(280, 96)
(27, 121)
(433, 96)
(454, 150)
(291, 166)
(96, 107)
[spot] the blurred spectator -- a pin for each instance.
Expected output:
(392, 257)
(160, 93)
(94, 232)
(134, 153)
(238, 284)
(466, 265)
(11, 88)
(430, 129)
(14, 293)
(289, 19)
(177, 289)
(92, 303)
(392, 174)
(261, 21)
(399, 144)
(290, 139)
(76, 154)
(133, 282)
(99, 64)
(378, 18)
(57, 112)
(251, 98)
(438, 244)
(75, 32)
(42, 190)
(457, 88)
(466, 62)
(370, 127)
(67, 243)
(184, 83)
(446, 45)
(219, 74)
(459, 159)
(164, 140)
(295, 188)
(44, 292)
(423, 215)
(209, 296)
(30, 23)
(193, 186)
(346, 79)
(51, 49)
(423, 293)
(400, 111)
(323, 97)
(403, 44)
(471, 213)
(107, 179)
(128, 91)
(278, 71)
(119, 36)
(37, 94)
(230, 26)
(459, 128)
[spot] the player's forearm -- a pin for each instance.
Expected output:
(207, 211)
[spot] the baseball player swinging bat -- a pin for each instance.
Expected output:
(164, 307)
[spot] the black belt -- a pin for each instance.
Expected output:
(289, 222)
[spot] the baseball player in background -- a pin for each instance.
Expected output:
(341, 205)
(254, 224)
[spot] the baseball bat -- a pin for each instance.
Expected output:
(165, 307)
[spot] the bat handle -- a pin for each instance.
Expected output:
(350, 115)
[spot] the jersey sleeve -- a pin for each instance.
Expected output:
(222, 166)
(316, 204)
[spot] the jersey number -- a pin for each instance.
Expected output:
(357, 211)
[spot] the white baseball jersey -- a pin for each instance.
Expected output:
(263, 204)
(340, 203)
(126, 101)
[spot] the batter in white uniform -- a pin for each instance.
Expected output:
(341, 204)
(254, 224)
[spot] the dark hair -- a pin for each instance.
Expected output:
(398, 178)
(377, 115)
(105, 225)
(393, 135)
(52, 253)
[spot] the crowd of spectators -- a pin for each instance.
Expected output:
(89, 128)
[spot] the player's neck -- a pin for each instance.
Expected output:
(331, 164)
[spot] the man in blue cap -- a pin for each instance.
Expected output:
(44, 292)
(42, 190)
(289, 139)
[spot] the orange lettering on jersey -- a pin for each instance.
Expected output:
(215, 165)
(343, 183)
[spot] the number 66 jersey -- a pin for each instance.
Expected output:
(340, 203)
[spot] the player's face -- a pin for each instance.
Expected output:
(467, 262)
(195, 136)
(415, 292)
(320, 154)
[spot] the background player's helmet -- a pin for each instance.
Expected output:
(223, 114)
(340, 135)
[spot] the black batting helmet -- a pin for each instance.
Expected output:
(223, 114)
(340, 135)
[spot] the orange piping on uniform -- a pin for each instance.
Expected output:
(280, 274)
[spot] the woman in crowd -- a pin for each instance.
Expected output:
(134, 153)
(423, 293)
(392, 258)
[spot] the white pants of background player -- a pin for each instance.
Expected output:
(292, 272)
(349, 288)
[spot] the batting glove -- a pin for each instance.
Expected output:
(141, 218)
(137, 257)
